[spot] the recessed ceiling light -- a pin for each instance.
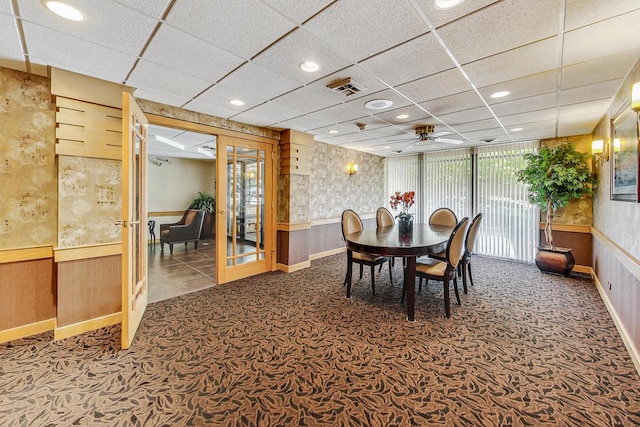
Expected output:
(378, 104)
(516, 129)
(386, 147)
(333, 131)
(402, 116)
(447, 4)
(309, 66)
(65, 11)
(500, 94)
(236, 102)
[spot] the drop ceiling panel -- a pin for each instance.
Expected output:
(398, 101)
(251, 80)
(580, 13)
(111, 24)
(523, 105)
(354, 72)
(442, 84)
(10, 42)
(465, 116)
(413, 111)
(515, 63)
(587, 43)
(586, 108)
(366, 28)
(307, 122)
(152, 8)
(175, 49)
(299, 11)
(525, 87)
(438, 17)
(533, 116)
(161, 97)
(477, 125)
(167, 80)
(85, 57)
(609, 67)
(451, 103)
(220, 96)
(285, 56)
(305, 100)
(266, 114)
(598, 91)
(214, 110)
(243, 27)
(525, 21)
(417, 58)
(578, 125)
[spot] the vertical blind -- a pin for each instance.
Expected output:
(447, 182)
(510, 223)
(403, 174)
(468, 183)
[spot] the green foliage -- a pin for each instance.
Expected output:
(204, 202)
(554, 177)
(557, 175)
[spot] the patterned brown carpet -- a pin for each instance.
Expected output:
(288, 349)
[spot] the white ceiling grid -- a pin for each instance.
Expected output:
(562, 61)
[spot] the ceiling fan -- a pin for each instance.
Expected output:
(425, 133)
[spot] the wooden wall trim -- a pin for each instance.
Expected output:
(568, 227)
(86, 252)
(625, 258)
(327, 253)
(25, 254)
(78, 86)
(27, 330)
(294, 267)
(284, 226)
(624, 334)
(202, 128)
(87, 326)
(326, 221)
(165, 213)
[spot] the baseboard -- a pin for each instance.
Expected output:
(626, 337)
(327, 253)
(86, 326)
(27, 330)
(583, 269)
(294, 267)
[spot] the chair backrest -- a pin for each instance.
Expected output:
(443, 216)
(351, 223)
(472, 232)
(384, 217)
(455, 246)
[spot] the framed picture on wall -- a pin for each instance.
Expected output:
(623, 152)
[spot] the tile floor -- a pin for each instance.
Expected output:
(187, 270)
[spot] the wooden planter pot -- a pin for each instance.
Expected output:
(556, 261)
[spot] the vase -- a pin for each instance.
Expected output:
(556, 261)
(405, 226)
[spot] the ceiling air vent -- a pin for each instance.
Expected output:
(346, 87)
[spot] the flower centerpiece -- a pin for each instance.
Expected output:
(403, 202)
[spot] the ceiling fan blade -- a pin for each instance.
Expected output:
(448, 140)
(439, 134)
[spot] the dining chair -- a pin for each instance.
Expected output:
(445, 271)
(443, 216)
(469, 242)
(351, 223)
(384, 217)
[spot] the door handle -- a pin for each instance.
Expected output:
(124, 224)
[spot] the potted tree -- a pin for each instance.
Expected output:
(207, 203)
(556, 176)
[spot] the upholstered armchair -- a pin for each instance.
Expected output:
(184, 231)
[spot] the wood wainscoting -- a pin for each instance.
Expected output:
(28, 292)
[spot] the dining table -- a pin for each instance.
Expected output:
(425, 239)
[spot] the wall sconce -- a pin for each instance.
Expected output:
(352, 168)
(635, 97)
(616, 145)
(599, 151)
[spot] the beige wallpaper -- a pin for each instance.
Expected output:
(333, 190)
(27, 161)
(577, 212)
(618, 220)
(90, 193)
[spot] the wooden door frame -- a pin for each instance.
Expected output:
(170, 122)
